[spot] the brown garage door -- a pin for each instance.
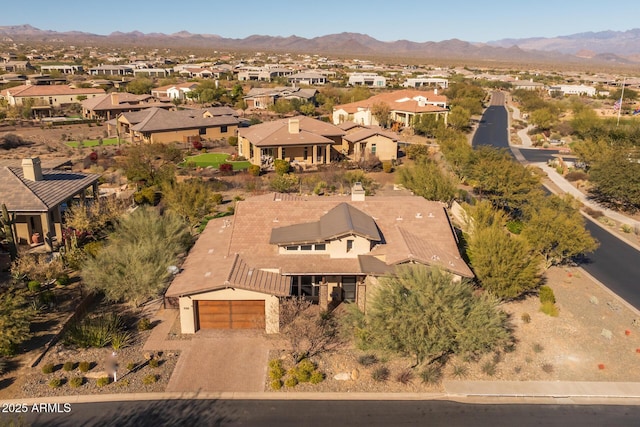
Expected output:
(230, 314)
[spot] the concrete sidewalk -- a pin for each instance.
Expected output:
(554, 389)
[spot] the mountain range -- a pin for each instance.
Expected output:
(612, 47)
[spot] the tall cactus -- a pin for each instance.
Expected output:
(7, 222)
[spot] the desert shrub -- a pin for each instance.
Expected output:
(380, 374)
(537, 348)
(414, 151)
(146, 196)
(254, 170)
(576, 176)
(281, 166)
(432, 374)
(460, 371)
(525, 317)
(233, 141)
(593, 213)
(33, 286)
(367, 359)
(405, 376)
(303, 370)
(546, 295)
(150, 379)
(225, 169)
(387, 166)
(123, 383)
(93, 248)
(3, 365)
(76, 382)
(489, 368)
(291, 382)
(93, 331)
(121, 339)
(63, 280)
(515, 227)
(286, 183)
(47, 368)
(103, 381)
(144, 324)
(196, 144)
(276, 371)
(626, 228)
(316, 377)
(547, 368)
(68, 366)
(55, 382)
(319, 188)
(84, 366)
(276, 384)
(549, 309)
(131, 366)
(154, 363)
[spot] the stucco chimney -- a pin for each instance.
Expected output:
(115, 98)
(357, 192)
(435, 91)
(294, 126)
(32, 169)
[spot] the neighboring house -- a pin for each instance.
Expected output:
(156, 125)
(367, 79)
(404, 106)
(48, 95)
(108, 106)
(62, 69)
(200, 73)
(426, 82)
(573, 90)
(527, 85)
(175, 91)
(365, 141)
(38, 196)
(301, 139)
(111, 70)
(263, 98)
(152, 72)
(308, 78)
(265, 74)
(326, 249)
(15, 66)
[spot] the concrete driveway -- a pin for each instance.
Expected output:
(222, 361)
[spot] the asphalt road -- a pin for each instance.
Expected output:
(284, 413)
(614, 263)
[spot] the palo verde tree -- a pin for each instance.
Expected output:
(192, 199)
(132, 266)
(424, 313)
(427, 180)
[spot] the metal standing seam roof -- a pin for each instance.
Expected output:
(342, 220)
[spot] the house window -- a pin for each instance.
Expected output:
(306, 247)
(321, 247)
(202, 131)
(284, 153)
(223, 129)
(306, 154)
(292, 248)
(373, 148)
(349, 245)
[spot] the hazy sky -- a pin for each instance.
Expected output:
(415, 20)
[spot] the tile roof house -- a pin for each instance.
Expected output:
(51, 95)
(174, 91)
(108, 106)
(405, 105)
(37, 196)
(263, 98)
(300, 139)
(363, 141)
(156, 125)
(327, 249)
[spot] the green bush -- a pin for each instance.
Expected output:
(233, 141)
(3, 365)
(549, 309)
(121, 339)
(276, 371)
(150, 379)
(460, 371)
(415, 151)
(276, 384)
(47, 368)
(291, 382)
(93, 248)
(68, 366)
(63, 280)
(131, 366)
(84, 366)
(33, 286)
(380, 374)
(144, 324)
(281, 166)
(146, 196)
(254, 170)
(546, 295)
(154, 363)
(103, 381)
(95, 331)
(303, 370)
(515, 227)
(316, 377)
(525, 317)
(76, 382)
(489, 368)
(55, 382)
(367, 359)
(287, 183)
(431, 374)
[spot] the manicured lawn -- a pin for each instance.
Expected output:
(93, 142)
(215, 159)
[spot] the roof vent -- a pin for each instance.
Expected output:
(435, 257)
(418, 215)
(431, 215)
(207, 274)
(275, 219)
(399, 218)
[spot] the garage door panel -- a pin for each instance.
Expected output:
(231, 314)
